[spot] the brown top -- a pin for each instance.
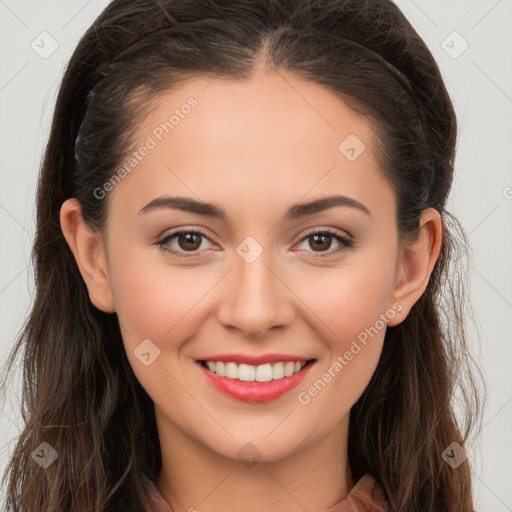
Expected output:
(366, 496)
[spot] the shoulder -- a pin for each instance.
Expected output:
(158, 502)
(366, 496)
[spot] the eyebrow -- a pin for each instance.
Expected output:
(297, 211)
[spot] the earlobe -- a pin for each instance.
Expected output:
(417, 260)
(89, 252)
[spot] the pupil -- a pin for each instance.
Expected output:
(189, 239)
(193, 238)
(323, 245)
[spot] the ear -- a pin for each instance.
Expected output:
(416, 262)
(88, 250)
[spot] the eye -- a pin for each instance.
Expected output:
(191, 241)
(323, 239)
(188, 241)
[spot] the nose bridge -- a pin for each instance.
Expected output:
(256, 299)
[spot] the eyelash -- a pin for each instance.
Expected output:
(345, 241)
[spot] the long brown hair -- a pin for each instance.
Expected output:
(80, 394)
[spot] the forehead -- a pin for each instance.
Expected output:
(276, 137)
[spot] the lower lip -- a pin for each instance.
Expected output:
(255, 391)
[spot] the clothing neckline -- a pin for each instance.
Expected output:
(366, 496)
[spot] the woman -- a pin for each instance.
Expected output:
(197, 342)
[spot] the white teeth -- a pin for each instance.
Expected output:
(264, 372)
(231, 370)
(246, 372)
(278, 371)
(249, 373)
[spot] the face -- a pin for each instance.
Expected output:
(259, 278)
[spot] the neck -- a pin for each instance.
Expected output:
(195, 478)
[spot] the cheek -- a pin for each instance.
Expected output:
(163, 305)
(347, 300)
(350, 314)
(154, 301)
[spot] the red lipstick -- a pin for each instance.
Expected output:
(255, 360)
(254, 391)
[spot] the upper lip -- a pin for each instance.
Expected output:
(255, 360)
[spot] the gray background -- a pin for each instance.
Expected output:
(479, 80)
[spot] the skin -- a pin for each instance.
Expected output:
(254, 148)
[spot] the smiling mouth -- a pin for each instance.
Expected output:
(256, 373)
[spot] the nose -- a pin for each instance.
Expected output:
(256, 299)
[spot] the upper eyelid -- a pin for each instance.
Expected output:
(201, 232)
(331, 231)
(184, 230)
(337, 231)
